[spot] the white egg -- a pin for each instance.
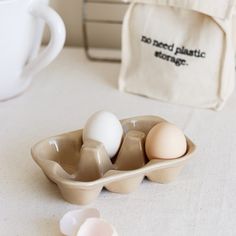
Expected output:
(104, 127)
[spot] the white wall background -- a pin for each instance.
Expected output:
(100, 35)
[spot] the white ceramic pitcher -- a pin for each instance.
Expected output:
(21, 29)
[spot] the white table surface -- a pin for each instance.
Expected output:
(202, 201)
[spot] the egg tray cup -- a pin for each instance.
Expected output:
(82, 170)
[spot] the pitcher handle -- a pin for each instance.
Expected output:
(57, 39)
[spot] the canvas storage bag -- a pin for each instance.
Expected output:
(179, 51)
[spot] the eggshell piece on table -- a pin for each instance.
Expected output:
(96, 227)
(72, 220)
(104, 127)
(165, 141)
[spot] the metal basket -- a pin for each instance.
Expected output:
(86, 20)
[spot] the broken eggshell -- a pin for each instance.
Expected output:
(85, 222)
(96, 226)
(72, 220)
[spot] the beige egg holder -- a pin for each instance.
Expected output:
(82, 170)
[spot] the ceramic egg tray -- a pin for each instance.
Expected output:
(82, 170)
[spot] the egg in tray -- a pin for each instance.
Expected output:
(113, 154)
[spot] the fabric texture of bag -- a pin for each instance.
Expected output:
(179, 51)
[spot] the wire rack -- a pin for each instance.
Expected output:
(86, 20)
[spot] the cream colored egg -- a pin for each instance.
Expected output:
(165, 141)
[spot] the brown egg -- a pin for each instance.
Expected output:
(165, 141)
